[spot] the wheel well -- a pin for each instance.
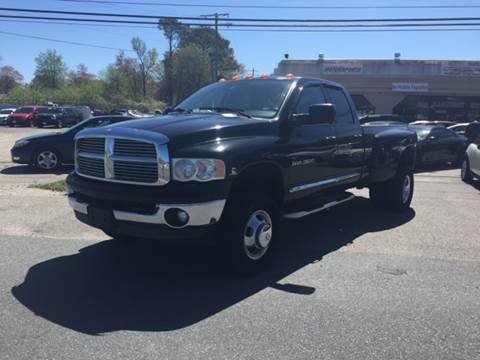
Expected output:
(408, 158)
(266, 178)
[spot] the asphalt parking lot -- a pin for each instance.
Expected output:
(349, 283)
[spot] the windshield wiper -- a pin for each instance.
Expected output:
(240, 112)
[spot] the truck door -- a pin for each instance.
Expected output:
(348, 158)
(310, 148)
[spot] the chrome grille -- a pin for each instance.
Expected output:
(122, 160)
(134, 148)
(91, 167)
(91, 145)
(134, 171)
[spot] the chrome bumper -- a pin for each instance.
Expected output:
(204, 213)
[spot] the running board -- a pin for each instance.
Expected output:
(300, 214)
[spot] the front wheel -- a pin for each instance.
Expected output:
(249, 231)
(47, 159)
(395, 194)
(465, 172)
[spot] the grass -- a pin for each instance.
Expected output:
(59, 186)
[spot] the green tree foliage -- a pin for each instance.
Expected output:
(80, 76)
(147, 62)
(51, 71)
(191, 71)
(217, 48)
(9, 78)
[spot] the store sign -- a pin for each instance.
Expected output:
(343, 69)
(410, 87)
(460, 70)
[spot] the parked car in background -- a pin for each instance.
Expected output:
(129, 112)
(381, 117)
(24, 116)
(471, 161)
(60, 117)
(444, 123)
(438, 145)
(459, 128)
(50, 151)
(4, 114)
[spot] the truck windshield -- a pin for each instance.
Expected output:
(260, 98)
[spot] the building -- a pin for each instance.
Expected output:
(415, 89)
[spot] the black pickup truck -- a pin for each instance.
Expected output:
(235, 158)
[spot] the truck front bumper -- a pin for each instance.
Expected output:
(128, 213)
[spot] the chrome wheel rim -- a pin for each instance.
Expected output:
(257, 235)
(47, 160)
(464, 169)
(406, 189)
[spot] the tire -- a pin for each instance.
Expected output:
(47, 159)
(465, 172)
(395, 194)
(249, 230)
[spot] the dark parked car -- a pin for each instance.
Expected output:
(236, 156)
(444, 123)
(49, 151)
(62, 116)
(438, 145)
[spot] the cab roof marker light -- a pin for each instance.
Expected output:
(235, 77)
(263, 76)
(289, 76)
(222, 80)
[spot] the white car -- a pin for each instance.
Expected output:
(471, 161)
(4, 114)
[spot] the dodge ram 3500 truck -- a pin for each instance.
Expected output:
(235, 157)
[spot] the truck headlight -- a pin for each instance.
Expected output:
(198, 169)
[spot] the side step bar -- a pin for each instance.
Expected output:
(300, 214)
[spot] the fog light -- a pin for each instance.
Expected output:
(176, 217)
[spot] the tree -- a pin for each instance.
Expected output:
(51, 70)
(9, 78)
(81, 76)
(191, 68)
(147, 60)
(217, 47)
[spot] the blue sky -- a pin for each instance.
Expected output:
(261, 50)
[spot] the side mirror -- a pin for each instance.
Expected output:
(317, 114)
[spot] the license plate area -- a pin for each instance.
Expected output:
(100, 218)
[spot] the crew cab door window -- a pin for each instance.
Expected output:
(310, 96)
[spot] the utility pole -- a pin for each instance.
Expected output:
(215, 16)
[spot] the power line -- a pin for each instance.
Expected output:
(233, 25)
(339, 7)
(247, 30)
(83, 13)
(62, 41)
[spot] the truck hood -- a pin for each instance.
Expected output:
(197, 128)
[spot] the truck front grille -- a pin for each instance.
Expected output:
(91, 145)
(134, 148)
(122, 160)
